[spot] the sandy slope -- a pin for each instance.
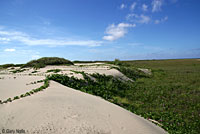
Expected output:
(62, 110)
(13, 85)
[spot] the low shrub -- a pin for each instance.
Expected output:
(34, 72)
(54, 70)
(27, 94)
(16, 97)
(22, 95)
(9, 100)
(39, 81)
(31, 92)
(18, 70)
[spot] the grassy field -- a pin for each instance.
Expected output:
(170, 95)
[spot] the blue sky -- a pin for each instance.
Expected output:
(99, 29)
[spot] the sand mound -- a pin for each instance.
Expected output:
(60, 109)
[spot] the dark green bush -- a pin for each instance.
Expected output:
(31, 92)
(21, 96)
(16, 97)
(54, 70)
(34, 72)
(27, 94)
(9, 100)
(18, 70)
(42, 62)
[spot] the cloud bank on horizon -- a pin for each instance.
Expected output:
(99, 30)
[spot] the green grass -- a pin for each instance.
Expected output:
(18, 70)
(42, 62)
(34, 71)
(54, 70)
(10, 65)
(16, 97)
(171, 95)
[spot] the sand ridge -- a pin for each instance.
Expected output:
(60, 109)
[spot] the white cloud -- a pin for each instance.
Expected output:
(12, 33)
(4, 39)
(9, 50)
(122, 6)
(156, 5)
(142, 19)
(115, 32)
(161, 20)
(144, 7)
(10, 36)
(132, 7)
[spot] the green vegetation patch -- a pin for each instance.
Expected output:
(18, 70)
(34, 71)
(42, 62)
(10, 65)
(54, 70)
(107, 87)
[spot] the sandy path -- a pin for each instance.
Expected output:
(62, 110)
(13, 85)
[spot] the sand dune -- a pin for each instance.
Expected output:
(60, 109)
(13, 85)
(63, 110)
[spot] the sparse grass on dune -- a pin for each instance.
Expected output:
(44, 86)
(18, 70)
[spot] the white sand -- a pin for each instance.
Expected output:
(13, 85)
(62, 110)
